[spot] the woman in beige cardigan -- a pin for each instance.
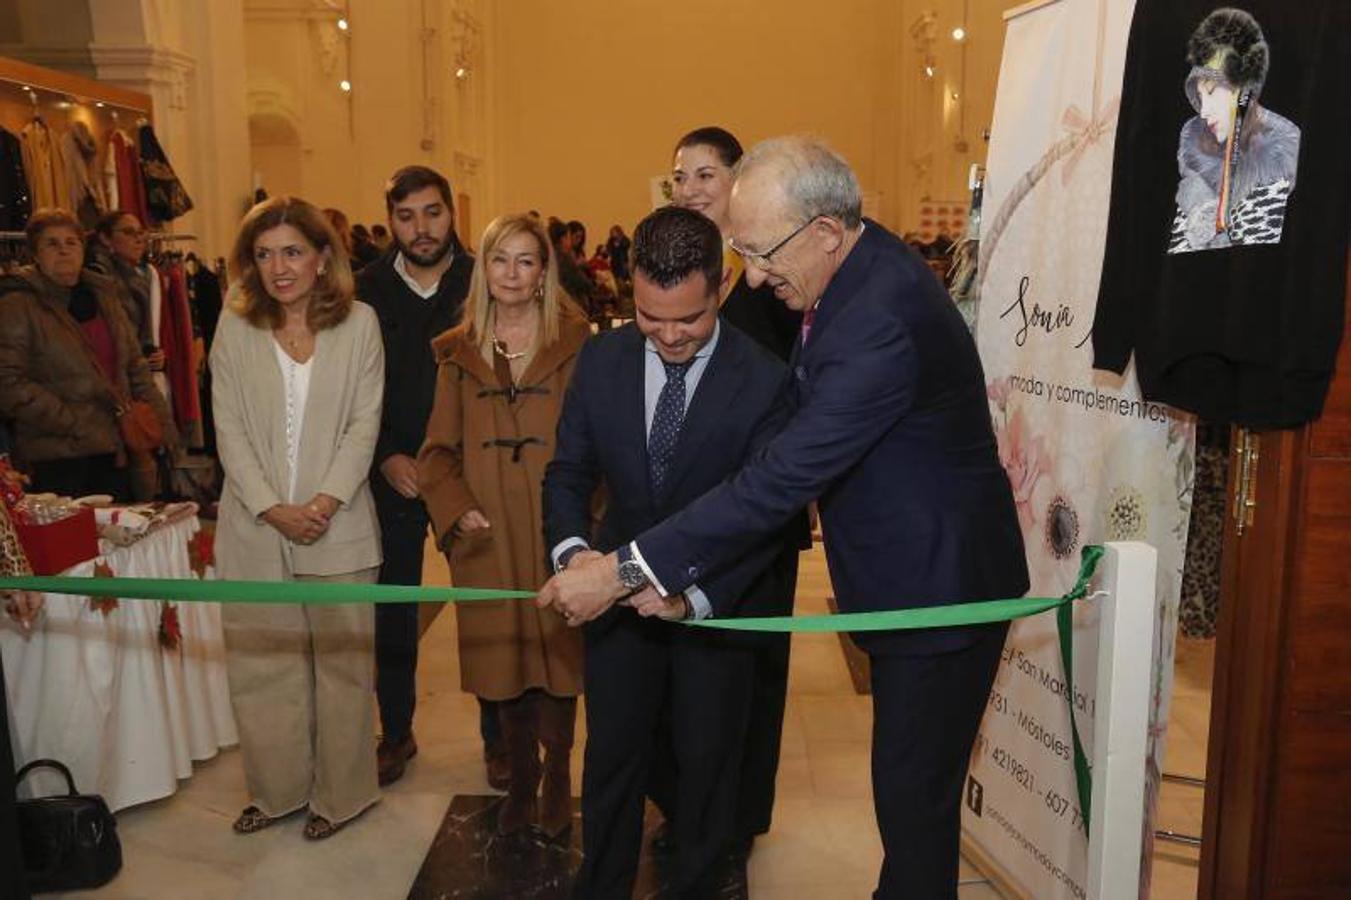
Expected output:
(298, 371)
(499, 390)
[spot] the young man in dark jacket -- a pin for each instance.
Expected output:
(417, 290)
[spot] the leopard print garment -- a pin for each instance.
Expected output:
(1205, 536)
(12, 558)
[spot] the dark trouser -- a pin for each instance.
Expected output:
(764, 736)
(403, 535)
(634, 668)
(80, 476)
(12, 882)
(760, 755)
(926, 713)
(403, 530)
(764, 732)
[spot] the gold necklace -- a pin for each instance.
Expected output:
(500, 348)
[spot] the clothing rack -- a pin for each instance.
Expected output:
(72, 88)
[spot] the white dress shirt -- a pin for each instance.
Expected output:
(654, 379)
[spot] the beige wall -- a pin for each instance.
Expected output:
(592, 95)
(565, 107)
(406, 106)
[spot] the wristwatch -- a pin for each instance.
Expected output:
(631, 573)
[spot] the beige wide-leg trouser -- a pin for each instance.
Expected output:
(301, 681)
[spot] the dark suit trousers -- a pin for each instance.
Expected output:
(926, 713)
(764, 731)
(634, 669)
(12, 882)
(403, 532)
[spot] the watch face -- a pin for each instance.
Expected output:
(631, 574)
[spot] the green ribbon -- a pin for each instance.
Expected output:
(1064, 618)
(978, 613)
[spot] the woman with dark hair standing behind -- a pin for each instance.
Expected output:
(118, 251)
(702, 172)
(297, 355)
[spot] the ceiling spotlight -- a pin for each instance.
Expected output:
(956, 96)
(929, 71)
(345, 85)
(462, 73)
(342, 25)
(99, 104)
(959, 33)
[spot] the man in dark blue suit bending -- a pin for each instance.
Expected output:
(660, 412)
(892, 437)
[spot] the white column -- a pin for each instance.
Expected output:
(1125, 658)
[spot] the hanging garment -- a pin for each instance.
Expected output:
(79, 154)
(43, 164)
(109, 175)
(206, 295)
(1231, 202)
(16, 203)
(164, 193)
(175, 333)
(130, 186)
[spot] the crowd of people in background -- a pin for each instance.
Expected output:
(599, 282)
(372, 385)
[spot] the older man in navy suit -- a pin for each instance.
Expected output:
(892, 437)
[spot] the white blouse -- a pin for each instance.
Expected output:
(296, 377)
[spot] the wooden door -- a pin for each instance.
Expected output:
(1279, 762)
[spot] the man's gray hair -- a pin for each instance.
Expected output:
(815, 178)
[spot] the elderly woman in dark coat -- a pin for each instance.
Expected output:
(69, 365)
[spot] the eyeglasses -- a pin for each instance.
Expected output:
(765, 259)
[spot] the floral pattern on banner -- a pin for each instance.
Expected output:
(1022, 454)
(104, 605)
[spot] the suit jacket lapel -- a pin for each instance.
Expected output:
(631, 386)
(712, 398)
(846, 283)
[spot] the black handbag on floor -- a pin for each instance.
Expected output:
(69, 843)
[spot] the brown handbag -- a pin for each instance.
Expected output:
(142, 432)
(140, 426)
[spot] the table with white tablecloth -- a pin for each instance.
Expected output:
(95, 686)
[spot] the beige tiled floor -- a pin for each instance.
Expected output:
(823, 845)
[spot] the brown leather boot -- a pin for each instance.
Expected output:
(520, 732)
(557, 725)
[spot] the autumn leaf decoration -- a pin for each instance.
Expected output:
(202, 551)
(104, 605)
(170, 632)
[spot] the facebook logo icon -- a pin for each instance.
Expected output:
(975, 795)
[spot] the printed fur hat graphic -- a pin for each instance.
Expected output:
(1237, 160)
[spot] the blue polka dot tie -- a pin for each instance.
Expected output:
(666, 422)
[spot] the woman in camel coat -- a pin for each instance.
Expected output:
(502, 374)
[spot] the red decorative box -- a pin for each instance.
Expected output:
(53, 548)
